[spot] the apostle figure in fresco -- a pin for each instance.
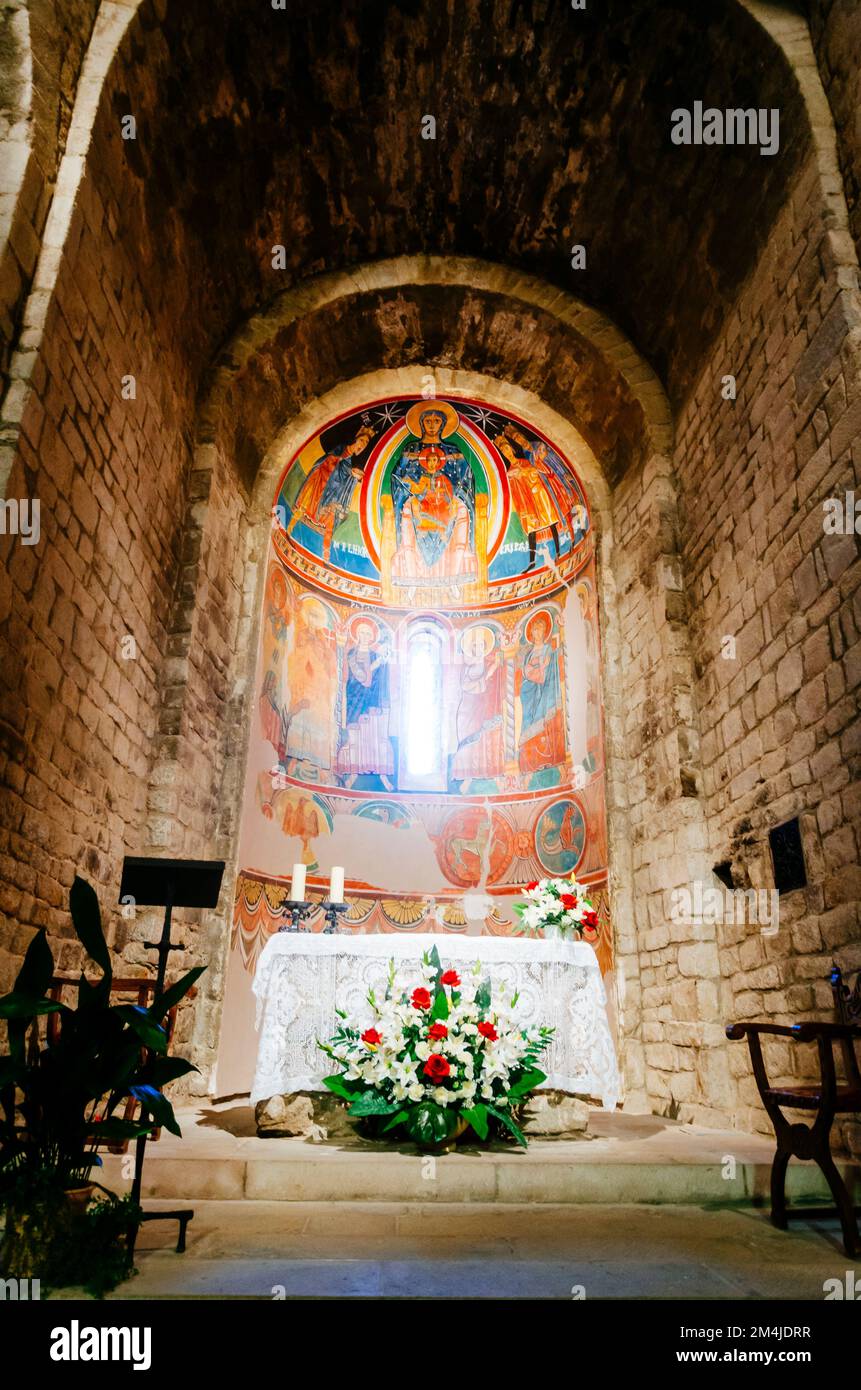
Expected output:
(531, 497)
(553, 473)
(480, 749)
(325, 497)
(366, 746)
(312, 678)
(433, 499)
(273, 695)
(542, 729)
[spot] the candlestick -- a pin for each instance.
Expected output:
(297, 883)
(336, 885)
(331, 911)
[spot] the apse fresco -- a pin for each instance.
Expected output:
(428, 707)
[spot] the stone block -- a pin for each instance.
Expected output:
(555, 1115)
(312, 1114)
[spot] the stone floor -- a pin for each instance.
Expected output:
(643, 1208)
(264, 1250)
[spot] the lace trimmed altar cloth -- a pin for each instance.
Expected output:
(303, 977)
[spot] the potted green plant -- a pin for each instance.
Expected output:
(58, 1099)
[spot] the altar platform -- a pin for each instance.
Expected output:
(623, 1158)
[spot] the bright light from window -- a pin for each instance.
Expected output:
(423, 726)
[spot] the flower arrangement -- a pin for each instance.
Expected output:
(559, 903)
(440, 1057)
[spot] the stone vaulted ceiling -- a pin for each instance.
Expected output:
(302, 127)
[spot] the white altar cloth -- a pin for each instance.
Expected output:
(303, 977)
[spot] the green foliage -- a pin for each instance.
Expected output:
(429, 1123)
(66, 1092)
(477, 1117)
(371, 1103)
(64, 1247)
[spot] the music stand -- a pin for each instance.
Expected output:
(167, 883)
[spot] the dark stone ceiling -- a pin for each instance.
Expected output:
(302, 128)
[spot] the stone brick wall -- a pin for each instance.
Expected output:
(836, 30)
(42, 48)
(79, 715)
(780, 722)
(144, 515)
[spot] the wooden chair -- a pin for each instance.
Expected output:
(827, 1097)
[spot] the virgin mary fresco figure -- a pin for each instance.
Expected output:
(433, 505)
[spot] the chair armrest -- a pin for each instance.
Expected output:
(809, 1032)
(748, 1030)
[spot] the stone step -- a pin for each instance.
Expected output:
(300, 1172)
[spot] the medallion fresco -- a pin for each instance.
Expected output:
(429, 667)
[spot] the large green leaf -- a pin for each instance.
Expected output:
(440, 1008)
(510, 1125)
(156, 1105)
(87, 918)
(162, 1070)
(428, 1123)
(112, 1130)
(369, 1103)
(482, 996)
(527, 1082)
(396, 1119)
(149, 1032)
(34, 977)
(16, 1005)
(477, 1117)
(339, 1087)
(171, 996)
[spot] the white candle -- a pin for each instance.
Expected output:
(297, 884)
(336, 885)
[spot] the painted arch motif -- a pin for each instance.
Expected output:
(429, 664)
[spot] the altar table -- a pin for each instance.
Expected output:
(303, 977)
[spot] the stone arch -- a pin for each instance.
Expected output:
(253, 363)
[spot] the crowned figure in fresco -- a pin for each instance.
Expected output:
(542, 720)
(324, 499)
(434, 526)
(366, 747)
(480, 751)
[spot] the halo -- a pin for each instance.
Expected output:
(488, 636)
(542, 613)
(415, 412)
(363, 618)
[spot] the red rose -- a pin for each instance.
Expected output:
(590, 919)
(568, 900)
(437, 1031)
(450, 977)
(371, 1037)
(436, 1067)
(530, 886)
(488, 1031)
(420, 999)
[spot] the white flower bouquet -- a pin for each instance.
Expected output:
(560, 904)
(440, 1057)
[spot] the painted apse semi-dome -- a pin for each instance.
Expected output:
(428, 707)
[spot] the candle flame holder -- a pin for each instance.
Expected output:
(331, 912)
(298, 912)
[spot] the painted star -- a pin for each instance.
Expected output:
(385, 415)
